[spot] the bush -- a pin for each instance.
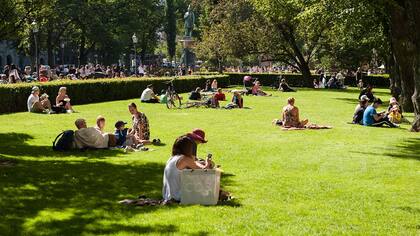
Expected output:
(297, 80)
(13, 97)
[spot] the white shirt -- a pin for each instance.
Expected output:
(31, 100)
(141, 70)
(147, 95)
(91, 138)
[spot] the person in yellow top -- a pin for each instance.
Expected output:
(394, 115)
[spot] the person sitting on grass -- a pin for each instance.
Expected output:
(368, 92)
(214, 86)
(182, 158)
(37, 105)
(100, 124)
(163, 97)
(372, 118)
(257, 91)
(92, 138)
(197, 136)
(316, 84)
(284, 87)
(394, 115)
(237, 101)
(360, 110)
(393, 102)
(63, 100)
(195, 95)
(290, 116)
(140, 131)
(148, 96)
(219, 96)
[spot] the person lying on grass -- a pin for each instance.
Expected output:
(91, 138)
(62, 100)
(291, 119)
(372, 118)
(36, 104)
(140, 130)
(182, 158)
(360, 110)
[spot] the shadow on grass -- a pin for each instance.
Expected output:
(15, 145)
(407, 149)
(71, 198)
(64, 197)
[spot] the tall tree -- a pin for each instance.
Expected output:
(170, 28)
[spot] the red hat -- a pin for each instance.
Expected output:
(198, 135)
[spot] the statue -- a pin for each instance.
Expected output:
(189, 18)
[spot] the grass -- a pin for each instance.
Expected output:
(348, 180)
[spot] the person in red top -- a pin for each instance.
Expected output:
(43, 75)
(219, 96)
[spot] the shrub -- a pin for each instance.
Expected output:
(13, 97)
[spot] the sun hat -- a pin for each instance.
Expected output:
(364, 98)
(198, 135)
(393, 100)
(247, 78)
(120, 123)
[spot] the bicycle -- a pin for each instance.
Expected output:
(173, 99)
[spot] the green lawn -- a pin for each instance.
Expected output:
(348, 180)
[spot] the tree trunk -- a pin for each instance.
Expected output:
(50, 48)
(414, 7)
(82, 50)
(403, 49)
(306, 73)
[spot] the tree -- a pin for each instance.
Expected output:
(170, 28)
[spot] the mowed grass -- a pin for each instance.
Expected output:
(348, 180)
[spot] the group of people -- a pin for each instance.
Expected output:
(336, 81)
(12, 74)
(366, 111)
(131, 139)
(37, 103)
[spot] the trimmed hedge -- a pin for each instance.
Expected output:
(297, 80)
(14, 97)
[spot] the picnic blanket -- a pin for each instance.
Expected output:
(312, 126)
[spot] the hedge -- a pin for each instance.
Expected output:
(14, 97)
(297, 80)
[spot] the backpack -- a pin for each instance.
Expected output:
(64, 141)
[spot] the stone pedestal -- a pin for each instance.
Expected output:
(188, 56)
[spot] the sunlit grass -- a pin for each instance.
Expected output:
(348, 180)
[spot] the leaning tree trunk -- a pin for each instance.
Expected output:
(306, 73)
(403, 49)
(414, 8)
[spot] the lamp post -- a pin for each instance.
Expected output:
(135, 41)
(62, 45)
(35, 30)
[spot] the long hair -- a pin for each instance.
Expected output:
(183, 146)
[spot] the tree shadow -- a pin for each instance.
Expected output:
(409, 149)
(15, 145)
(71, 198)
(349, 100)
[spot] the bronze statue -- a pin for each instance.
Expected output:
(189, 18)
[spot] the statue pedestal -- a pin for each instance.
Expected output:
(188, 56)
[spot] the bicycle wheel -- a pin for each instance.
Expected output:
(174, 101)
